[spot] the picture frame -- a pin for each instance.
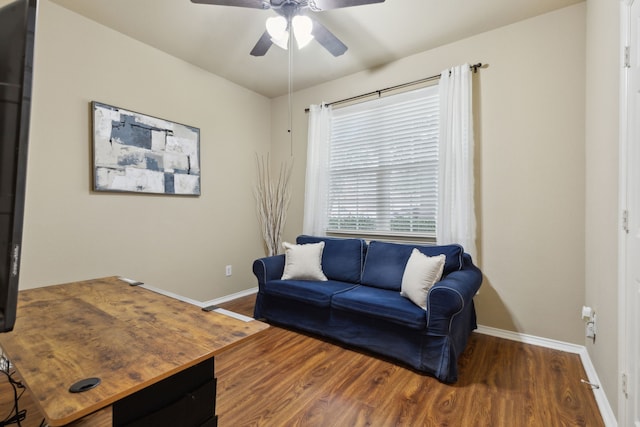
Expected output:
(137, 153)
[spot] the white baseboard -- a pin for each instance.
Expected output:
(231, 297)
(200, 303)
(606, 411)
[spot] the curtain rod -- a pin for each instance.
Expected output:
(379, 92)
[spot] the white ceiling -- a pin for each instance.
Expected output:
(219, 38)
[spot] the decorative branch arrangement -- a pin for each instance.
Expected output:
(272, 196)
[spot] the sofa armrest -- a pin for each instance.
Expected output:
(452, 295)
(268, 268)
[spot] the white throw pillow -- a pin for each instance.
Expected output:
(420, 274)
(303, 262)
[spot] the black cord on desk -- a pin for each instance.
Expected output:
(16, 416)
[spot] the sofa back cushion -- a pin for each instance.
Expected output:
(342, 259)
(385, 262)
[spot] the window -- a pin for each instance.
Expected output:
(383, 166)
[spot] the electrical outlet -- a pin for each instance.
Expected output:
(228, 270)
(589, 316)
(590, 330)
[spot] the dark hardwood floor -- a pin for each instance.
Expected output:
(284, 378)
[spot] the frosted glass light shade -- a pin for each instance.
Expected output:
(276, 26)
(277, 29)
(302, 27)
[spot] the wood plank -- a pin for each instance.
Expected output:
(127, 336)
(287, 378)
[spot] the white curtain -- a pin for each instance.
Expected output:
(316, 181)
(456, 221)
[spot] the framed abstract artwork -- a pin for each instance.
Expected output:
(133, 152)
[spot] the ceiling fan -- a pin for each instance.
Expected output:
(292, 16)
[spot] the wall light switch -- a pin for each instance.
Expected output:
(227, 270)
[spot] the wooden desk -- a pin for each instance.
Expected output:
(129, 337)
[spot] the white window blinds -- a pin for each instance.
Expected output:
(383, 166)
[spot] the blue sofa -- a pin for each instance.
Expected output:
(360, 304)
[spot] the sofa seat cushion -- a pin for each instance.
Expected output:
(385, 262)
(381, 303)
(311, 292)
(342, 259)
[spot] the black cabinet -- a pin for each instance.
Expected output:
(186, 399)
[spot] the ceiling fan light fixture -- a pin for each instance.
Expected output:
(282, 41)
(302, 27)
(277, 29)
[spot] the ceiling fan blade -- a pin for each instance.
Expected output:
(318, 5)
(254, 4)
(263, 45)
(327, 39)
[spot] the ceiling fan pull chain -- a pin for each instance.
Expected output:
(290, 89)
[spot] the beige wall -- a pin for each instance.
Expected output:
(530, 164)
(180, 244)
(601, 228)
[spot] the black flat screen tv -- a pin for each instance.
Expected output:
(17, 36)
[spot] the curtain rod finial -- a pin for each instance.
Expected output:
(476, 66)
